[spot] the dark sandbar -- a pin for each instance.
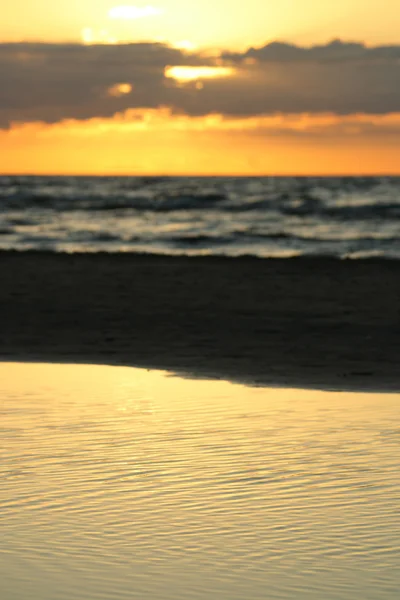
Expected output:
(299, 322)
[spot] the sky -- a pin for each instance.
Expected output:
(217, 87)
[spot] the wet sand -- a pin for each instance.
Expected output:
(297, 323)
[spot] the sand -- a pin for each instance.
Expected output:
(286, 322)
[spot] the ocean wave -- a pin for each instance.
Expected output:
(260, 216)
(298, 207)
(200, 240)
(364, 211)
(155, 203)
(298, 202)
(250, 237)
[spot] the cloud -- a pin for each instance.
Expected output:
(289, 125)
(335, 51)
(56, 82)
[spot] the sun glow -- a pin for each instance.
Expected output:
(133, 12)
(194, 73)
(120, 89)
(185, 45)
(89, 37)
(154, 141)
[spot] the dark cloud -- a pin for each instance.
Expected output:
(52, 82)
(334, 51)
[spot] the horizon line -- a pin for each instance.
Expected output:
(203, 175)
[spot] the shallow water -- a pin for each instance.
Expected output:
(123, 483)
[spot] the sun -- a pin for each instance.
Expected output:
(186, 74)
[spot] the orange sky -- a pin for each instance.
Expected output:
(210, 23)
(160, 141)
(210, 145)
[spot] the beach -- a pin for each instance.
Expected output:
(310, 323)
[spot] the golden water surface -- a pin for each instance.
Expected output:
(121, 483)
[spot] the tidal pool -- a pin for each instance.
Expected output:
(120, 483)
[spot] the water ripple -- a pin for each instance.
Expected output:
(119, 483)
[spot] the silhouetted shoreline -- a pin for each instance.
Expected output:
(287, 322)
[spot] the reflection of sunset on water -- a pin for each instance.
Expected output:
(149, 486)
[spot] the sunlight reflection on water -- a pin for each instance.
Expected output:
(124, 483)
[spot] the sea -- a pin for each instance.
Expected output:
(343, 217)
